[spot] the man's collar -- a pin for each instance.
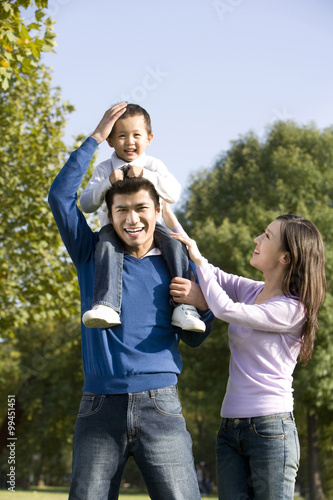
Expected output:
(152, 253)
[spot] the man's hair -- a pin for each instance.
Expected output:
(136, 110)
(131, 185)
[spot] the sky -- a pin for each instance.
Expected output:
(207, 71)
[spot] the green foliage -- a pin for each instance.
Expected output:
(40, 355)
(45, 374)
(21, 43)
(227, 206)
(38, 283)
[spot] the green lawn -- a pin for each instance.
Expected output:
(49, 493)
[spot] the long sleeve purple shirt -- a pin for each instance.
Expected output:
(264, 339)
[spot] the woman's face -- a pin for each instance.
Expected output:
(268, 253)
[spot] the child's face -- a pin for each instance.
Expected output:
(129, 137)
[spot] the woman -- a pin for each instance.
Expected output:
(272, 323)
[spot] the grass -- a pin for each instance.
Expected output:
(58, 493)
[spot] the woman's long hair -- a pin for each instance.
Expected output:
(305, 277)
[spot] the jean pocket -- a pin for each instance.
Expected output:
(90, 404)
(291, 434)
(269, 429)
(167, 403)
(222, 428)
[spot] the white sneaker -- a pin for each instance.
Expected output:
(187, 318)
(101, 317)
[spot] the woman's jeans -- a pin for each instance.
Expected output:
(149, 426)
(109, 257)
(257, 458)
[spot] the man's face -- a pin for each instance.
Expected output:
(129, 137)
(133, 217)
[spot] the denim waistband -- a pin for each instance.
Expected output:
(151, 392)
(253, 420)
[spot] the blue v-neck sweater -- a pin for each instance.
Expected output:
(141, 353)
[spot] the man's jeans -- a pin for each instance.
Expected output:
(109, 257)
(148, 425)
(257, 458)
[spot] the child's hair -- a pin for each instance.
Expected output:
(135, 110)
(131, 185)
(305, 277)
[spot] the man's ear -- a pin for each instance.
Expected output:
(110, 217)
(158, 210)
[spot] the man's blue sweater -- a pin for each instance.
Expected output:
(141, 353)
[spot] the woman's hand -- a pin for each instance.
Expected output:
(192, 247)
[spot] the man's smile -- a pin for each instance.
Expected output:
(133, 231)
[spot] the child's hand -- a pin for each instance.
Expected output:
(135, 171)
(116, 175)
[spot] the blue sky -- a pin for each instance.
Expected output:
(207, 71)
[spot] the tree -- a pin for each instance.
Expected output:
(22, 43)
(40, 356)
(45, 375)
(252, 183)
(35, 280)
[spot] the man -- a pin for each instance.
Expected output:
(130, 404)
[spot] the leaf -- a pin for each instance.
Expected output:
(4, 83)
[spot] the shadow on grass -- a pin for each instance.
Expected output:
(47, 489)
(65, 489)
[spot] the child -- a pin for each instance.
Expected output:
(129, 137)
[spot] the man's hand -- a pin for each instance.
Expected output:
(184, 291)
(103, 129)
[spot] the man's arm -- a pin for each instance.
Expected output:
(72, 225)
(93, 195)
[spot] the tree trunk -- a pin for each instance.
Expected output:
(315, 483)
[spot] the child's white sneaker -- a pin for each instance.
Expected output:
(187, 318)
(101, 317)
